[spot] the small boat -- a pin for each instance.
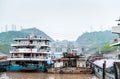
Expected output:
(109, 68)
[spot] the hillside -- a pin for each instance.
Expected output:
(36, 32)
(92, 40)
(95, 38)
(6, 38)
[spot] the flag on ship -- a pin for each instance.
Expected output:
(71, 53)
(29, 40)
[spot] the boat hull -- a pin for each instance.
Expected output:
(69, 70)
(3, 65)
(99, 73)
(25, 68)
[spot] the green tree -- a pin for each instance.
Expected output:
(107, 48)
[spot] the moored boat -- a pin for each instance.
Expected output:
(70, 63)
(109, 68)
(29, 54)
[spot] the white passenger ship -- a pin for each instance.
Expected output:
(30, 53)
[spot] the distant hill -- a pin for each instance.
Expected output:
(36, 32)
(4, 49)
(6, 38)
(93, 40)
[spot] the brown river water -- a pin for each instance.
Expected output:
(38, 75)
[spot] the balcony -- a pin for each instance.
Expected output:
(29, 59)
(23, 50)
(42, 51)
(30, 44)
(116, 29)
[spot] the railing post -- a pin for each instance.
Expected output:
(104, 65)
(115, 68)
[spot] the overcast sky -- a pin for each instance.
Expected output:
(60, 19)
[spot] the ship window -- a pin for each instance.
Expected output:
(42, 47)
(15, 54)
(98, 70)
(39, 40)
(31, 41)
(36, 54)
(118, 56)
(26, 55)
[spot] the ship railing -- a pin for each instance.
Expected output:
(43, 51)
(16, 56)
(23, 50)
(43, 44)
(28, 59)
(28, 43)
(38, 57)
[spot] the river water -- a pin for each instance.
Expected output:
(38, 75)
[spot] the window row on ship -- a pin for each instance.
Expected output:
(42, 56)
(35, 42)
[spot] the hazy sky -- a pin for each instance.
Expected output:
(60, 19)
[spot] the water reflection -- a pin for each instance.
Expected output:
(36, 75)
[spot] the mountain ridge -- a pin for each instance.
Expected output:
(7, 37)
(91, 41)
(97, 37)
(36, 31)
